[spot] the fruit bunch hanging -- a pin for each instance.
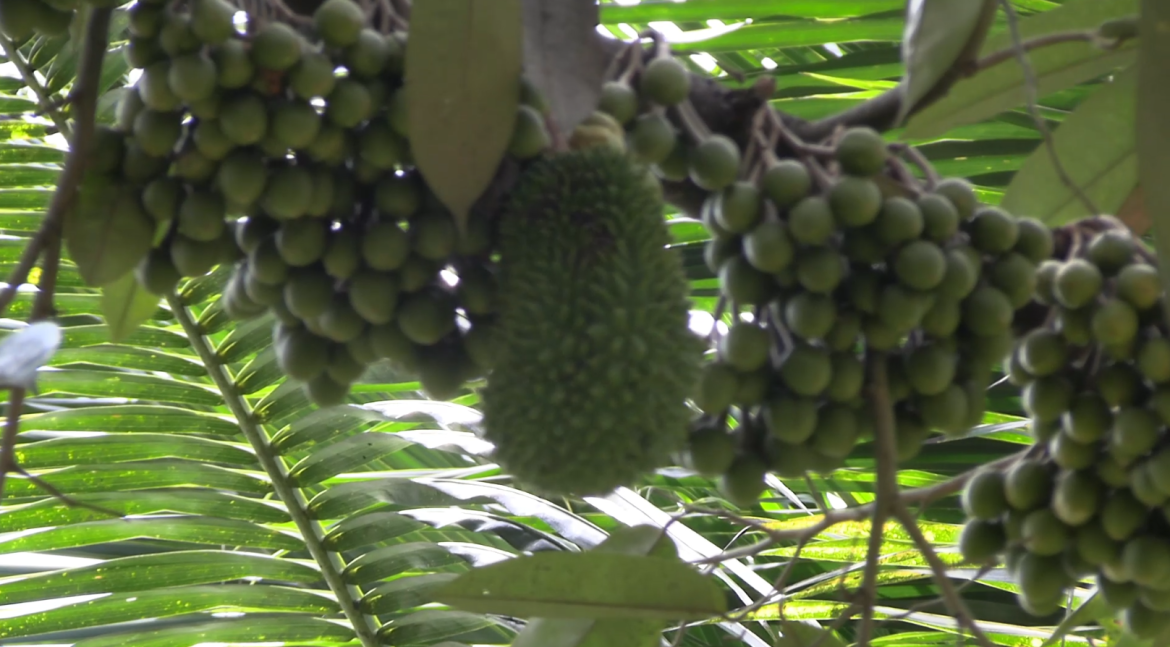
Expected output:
(1090, 498)
(829, 259)
(286, 154)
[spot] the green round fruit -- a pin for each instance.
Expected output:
(1078, 282)
(769, 247)
(651, 139)
(714, 163)
(920, 265)
(303, 241)
(862, 151)
(1138, 284)
(1035, 240)
(930, 368)
(1112, 250)
(234, 67)
(156, 273)
(745, 346)
(790, 418)
(810, 316)
(983, 497)
(744, 284)
(820, 269)
(1147, 559)
(339, 22)
(811, 221)
(1135, 431)
(901, 308)
(276, 46)
(836, 431)
(530, 136)
(324, 392)
(981, 541)
(960, 193)
(1043, 352)
(940, 219)
(349, 103)
(1015, 276)
(288, 193)
(1122, 515)
(1044, 534)
(993, 230)
(368, 55)
(427, 317)
(307, 293)
(201, 216)
(739, 207)
(807, 370)
(962, 273)
(855, 201)
(899, 221)
(340, 322)
(192, 77)
(1028, 485)
(1088, 419)
(1077, 496)
(160, 198)
(1115, 322)
(244, 119)
(295, 124)
(665, 81)
(619, 101)
(1046, 399)
(987, 311)
(385, 246)
(718, 384)
(786, 182)
(157, 132)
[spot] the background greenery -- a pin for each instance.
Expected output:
(253, 518)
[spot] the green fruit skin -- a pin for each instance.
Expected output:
(593, 370)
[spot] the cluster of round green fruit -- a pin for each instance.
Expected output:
(837, 267)
(1092, 497)
(290, 157)
(20, 20)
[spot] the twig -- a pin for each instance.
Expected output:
(1031, 89)
(995, 58)
(950, 594)
(47, 103)
(48, 238)
(886, 499)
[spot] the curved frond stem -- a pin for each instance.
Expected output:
(47, 104)
(274, 466)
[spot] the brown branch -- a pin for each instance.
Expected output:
(48, 238)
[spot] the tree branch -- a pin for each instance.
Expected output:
(48, 237)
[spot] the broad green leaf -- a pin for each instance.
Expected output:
(293, 629)
(114, 448)
(463, 74)
(107, 384)
(703, 10)
(431, 625)
(1092, 610)
(347, 498)
(260, 373)
(797, 34)
(1153, 104)
(160, 570)
(1096, 148)
(799, 634)
(1000, 88)
(162, 603)
(589, 632)
(404, 593)
(940, 36)
(138, 475)
(395, 560)
(77, 336)
(367, 529)
(130, 417)
(106, 234)
(221, 532)
(353, 452)
(54, 512)
(126, 305)
(245, 339)
(131, 357)
(321, 425)
(587, 585)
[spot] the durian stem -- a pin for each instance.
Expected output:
(311, 531)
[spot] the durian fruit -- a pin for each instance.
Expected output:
(595, 359)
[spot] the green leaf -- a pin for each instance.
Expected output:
(940, 37)
(1096, 148)
(125, 607)
(463, 71)
(145, 572)
(290, 629)
(1092, 610)
(55, 512)
(404, 593)
(126, 305)
(1153, 104)
(126, 385)
(587, 585)
(367, 529)
(106, 234)
(797, 34)
(703, 10)
(222, 532)
(138, 475)
(130, 418)
(114, 448)
(799, 634)
(395, 560)
(564, 59)
(1001, 88)
(345, 455)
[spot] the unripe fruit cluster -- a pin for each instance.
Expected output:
(837, 267)
(288, 156)
(1093, 498)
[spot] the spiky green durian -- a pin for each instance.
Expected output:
(596, 357)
